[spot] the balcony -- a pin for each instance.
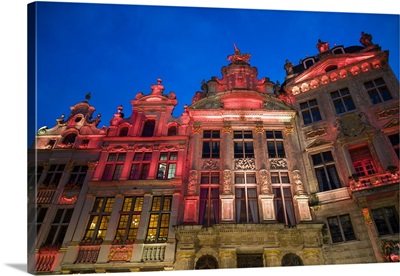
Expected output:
(153, 253)
(374, 183)
(45, 259)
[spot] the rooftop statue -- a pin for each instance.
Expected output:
(158, 88)
(366, 39)
(322, 46)
(288, 67)
(238, 56)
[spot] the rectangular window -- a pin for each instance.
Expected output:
(243, 144)
(246, 197)
(167, 165)
(148, 128)
(341, 228)
(140, 165)
(325, 171)
(362, 161)
(98, 223)
(377, 91)
(310, 112)
(114, 165)
(53, 176)
(129, 220)
(77, 176)
(386, 220)
(342, 101)
(211, 144)
(275, 144)
(394, 140)
(283, 204)
(209, 205)
(59, 227)
(159, 219)
(34, 174)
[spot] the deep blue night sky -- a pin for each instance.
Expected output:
(117, 50)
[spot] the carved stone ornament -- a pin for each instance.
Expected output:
(315, 133)
(227, 184)
(245, 164)
(288, 130)
(120, 253)
(278, 164)
(192, 183)
(259, 129)
(352, 125)
(196, 129)
(298, 183)
(390, 250)
(227, 129)
(210, 165)
(265, 185)
(388, 113)
(92, 165)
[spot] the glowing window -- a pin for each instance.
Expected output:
(160, 213)
(129, 220)
(167, 165)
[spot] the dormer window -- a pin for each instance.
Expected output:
(123, 132)
(338, 50)
(69, 139)
(148, 128)
(308, 62)
(172, 131)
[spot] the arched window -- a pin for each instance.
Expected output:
(148, 128)
(291, 259)
(172, 131)
(207, 262)
(123, 131)
(69, 139)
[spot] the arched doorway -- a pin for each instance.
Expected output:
(206, 262)
(291, 259)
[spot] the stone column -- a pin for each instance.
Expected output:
(259, 148)
(185, 260)
(227, 259)
(196, 151)
(272, 257)
(228, 144)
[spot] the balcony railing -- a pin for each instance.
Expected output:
(45, 259)
(153, 253)
(372, 181)
(88, 254)
(44, 196)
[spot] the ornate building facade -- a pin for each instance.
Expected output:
(252, 174)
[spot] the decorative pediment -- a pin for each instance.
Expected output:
(335, 62)
(317, 144)
(391, 124)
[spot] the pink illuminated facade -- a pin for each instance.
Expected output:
(252, 174)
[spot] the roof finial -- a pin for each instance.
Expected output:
(88, 96)
(237, 56)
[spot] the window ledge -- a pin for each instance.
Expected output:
(333, 195)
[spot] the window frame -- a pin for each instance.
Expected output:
(214, 144)
(339, 102)
(376, 90)
(243, 142)
(209, 198)
(113, 168)
(140, 167)
(326, 166)
(275, 140)
(343, 237)
(99, 220)
(55, 235)
(133, 213)
(250, 212)
(156, 227)
(312, 112)
(169, 164)
(388, 224)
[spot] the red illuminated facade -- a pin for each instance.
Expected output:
(252, 174)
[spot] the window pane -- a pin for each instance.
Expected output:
(334, 228)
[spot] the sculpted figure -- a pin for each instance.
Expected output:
(288, 67)
(366, 39)
(322, 46)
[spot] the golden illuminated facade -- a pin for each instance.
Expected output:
(252, 174)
